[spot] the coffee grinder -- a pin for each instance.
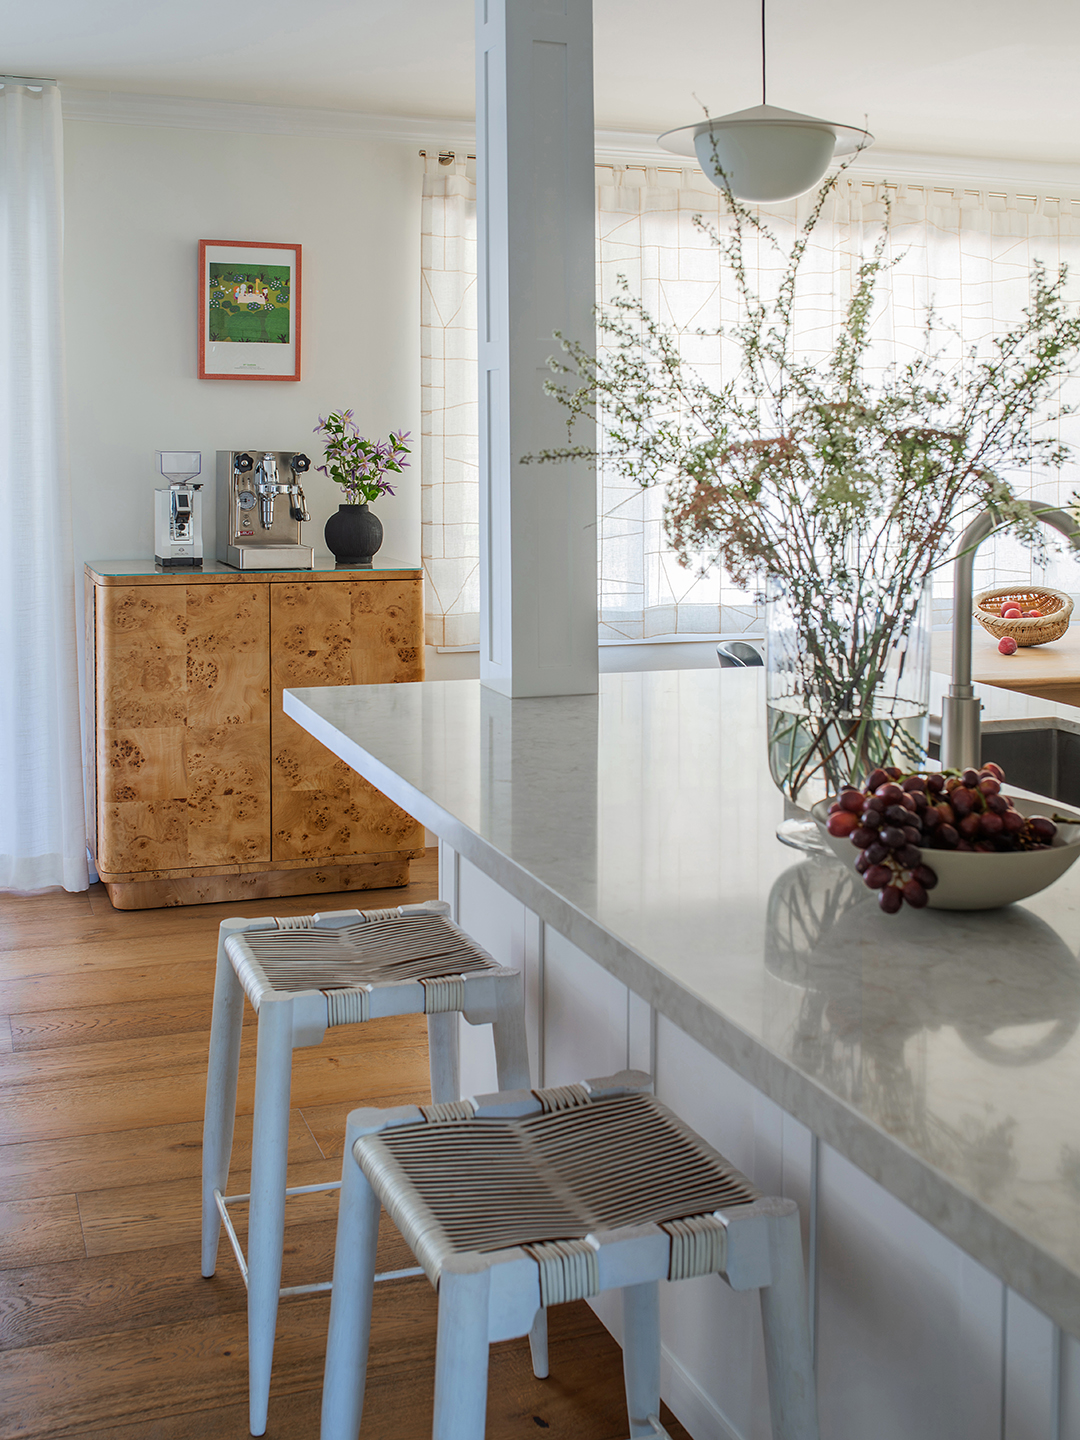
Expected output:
(260, 508)
(178, 511)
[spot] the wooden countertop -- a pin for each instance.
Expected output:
(1051, 672)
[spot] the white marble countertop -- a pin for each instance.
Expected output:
(940, 1052)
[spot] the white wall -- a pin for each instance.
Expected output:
(138, 199)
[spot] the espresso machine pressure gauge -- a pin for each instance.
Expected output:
(255, 531)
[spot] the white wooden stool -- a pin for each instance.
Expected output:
(303, 975)
(516, 1201)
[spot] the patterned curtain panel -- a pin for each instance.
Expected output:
(968, 252)
(449, 484)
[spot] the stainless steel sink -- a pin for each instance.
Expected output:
(1046, 760)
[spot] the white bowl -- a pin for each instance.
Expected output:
(969, 881)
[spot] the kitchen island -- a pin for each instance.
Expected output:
(911, 1081)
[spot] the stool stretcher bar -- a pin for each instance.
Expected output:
(286, 1292)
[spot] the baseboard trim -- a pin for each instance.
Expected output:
(681, 1393)
(689, 1403)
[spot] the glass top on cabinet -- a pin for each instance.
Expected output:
(324, 565)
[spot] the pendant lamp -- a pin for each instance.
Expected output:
(765, 154)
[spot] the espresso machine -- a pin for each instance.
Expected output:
(260, 508)
(178, 511)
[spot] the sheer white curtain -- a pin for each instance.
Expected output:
(42, 833)
(968, 252)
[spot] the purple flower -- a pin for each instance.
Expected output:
(357, 463)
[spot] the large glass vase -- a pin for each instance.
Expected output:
(847, 688)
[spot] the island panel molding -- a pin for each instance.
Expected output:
(198, 792)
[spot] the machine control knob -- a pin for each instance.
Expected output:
(300, 463)
(243, 463)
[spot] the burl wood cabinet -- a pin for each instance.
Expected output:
(202, 788)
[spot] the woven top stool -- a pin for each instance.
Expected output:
(517, 1201)
(304, 975)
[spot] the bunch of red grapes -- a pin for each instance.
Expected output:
(897, 816)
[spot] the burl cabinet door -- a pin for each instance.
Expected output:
(344, 632)
(183, 726)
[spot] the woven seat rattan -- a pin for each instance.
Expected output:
(520, 1200)
(302, 976)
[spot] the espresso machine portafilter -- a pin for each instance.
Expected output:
(268, 488)
(261, 507)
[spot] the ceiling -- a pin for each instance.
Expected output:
(986, 78)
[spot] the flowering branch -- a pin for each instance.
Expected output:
(841, 484)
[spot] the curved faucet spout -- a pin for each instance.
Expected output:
(961, 726)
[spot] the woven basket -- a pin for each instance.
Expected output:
(1056, 609)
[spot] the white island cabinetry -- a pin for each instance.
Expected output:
(910, 1081)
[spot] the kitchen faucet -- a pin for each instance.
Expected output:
(961, 723)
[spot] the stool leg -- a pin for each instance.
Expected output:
(269, 1166)
(444, 1051)
(641, 1355)
(350, 1302)
(220, 1113)
(461, 1355)
(538, 1345)
(512, 1066)
(785, 1317)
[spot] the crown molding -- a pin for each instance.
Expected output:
(972, 171)
(117, 107)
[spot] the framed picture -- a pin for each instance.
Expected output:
(249, 310)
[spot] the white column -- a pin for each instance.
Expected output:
(535, 230)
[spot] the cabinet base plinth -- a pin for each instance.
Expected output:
(261, 885)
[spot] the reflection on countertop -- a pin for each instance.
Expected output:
(873, 1005)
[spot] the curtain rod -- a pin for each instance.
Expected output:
(945, 187)
(447, 157)
(24, 80)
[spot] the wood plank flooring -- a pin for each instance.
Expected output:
(107, 1330)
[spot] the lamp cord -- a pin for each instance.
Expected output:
(763, 52)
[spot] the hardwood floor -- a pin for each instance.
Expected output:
(107, 1329)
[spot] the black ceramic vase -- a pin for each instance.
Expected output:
(353, 535)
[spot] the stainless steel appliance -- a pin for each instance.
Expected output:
(178, 511)
(260, 508)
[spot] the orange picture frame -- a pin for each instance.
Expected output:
(249, 310)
